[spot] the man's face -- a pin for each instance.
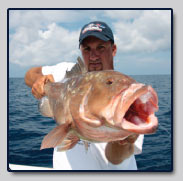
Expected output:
(98, 54)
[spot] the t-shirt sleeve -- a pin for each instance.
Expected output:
(138, 144)
(58, 71)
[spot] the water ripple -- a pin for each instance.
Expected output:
(27, 128)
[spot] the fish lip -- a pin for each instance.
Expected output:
(146, 128)
(137, 90)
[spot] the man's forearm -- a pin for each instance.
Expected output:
(116, 153)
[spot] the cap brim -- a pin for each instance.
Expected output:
(95, 34)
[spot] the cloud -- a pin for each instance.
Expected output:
(43, 46)
(39, 18)
(141, 31)
(43, 37)
(123, 15)
(39, 37)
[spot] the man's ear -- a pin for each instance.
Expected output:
(114, 50)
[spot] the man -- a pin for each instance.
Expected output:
(97, 46)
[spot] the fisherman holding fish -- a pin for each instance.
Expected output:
(99, 151)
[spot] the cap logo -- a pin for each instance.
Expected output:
(93, 27)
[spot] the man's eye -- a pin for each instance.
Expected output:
(86, 49)
(101, 47)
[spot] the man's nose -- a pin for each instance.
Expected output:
(94, 55)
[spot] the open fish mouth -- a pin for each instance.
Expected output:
(135, 109)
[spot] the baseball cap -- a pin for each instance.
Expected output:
(98, 29)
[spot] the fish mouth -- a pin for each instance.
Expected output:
(136, 109)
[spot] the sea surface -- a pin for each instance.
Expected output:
(27, 128)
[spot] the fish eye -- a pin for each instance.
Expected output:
(109, 81)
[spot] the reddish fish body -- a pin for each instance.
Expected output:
(99, 106)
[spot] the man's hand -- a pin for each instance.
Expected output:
(38, 86)
(118, 151)
(129, 139)
(36, 80)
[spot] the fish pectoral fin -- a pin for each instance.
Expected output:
(55, 136)
(69, 142)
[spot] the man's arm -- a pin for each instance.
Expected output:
(36, 80)
(116, 152)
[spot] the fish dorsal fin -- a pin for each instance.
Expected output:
(78, 68)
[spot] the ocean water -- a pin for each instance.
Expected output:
(27, 128)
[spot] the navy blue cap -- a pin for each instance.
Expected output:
(98, 29)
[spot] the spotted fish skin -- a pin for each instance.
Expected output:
(98, 106)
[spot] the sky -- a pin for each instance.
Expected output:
(48, 37)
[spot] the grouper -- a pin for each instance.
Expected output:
(97, 106)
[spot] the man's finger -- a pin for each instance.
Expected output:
(132, 138)
(38, 86)
(36, 94)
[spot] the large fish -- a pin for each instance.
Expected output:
(98, 106)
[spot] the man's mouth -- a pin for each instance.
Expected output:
(97, 66)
